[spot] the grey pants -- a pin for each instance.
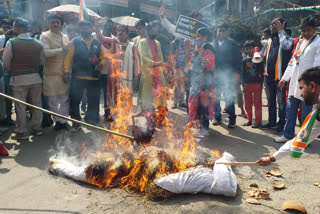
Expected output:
(33, 94)
(60, 105)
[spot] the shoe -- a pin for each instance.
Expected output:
(37, 132)
(3, 150)
(281, 139)
(217, 122)
(279, 129)
(183, 105)
(243, 114)
(20, 136)
(174, 106)
(249, 123)
(204, 132)
(256, 126)
(232, 125)
(58, 126)
(65, 126)
(76, 127)
(47, 122)
(268, 126)
(108, 118)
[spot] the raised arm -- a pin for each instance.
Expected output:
(171, 28)
(105, 41)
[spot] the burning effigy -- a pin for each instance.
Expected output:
(162, 149)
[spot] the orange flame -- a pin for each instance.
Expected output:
(140, 168)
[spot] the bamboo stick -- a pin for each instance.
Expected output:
(66, 118)
(239, 163)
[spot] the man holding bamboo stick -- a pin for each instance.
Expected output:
(309, 84)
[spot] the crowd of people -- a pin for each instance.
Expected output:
(67, 72)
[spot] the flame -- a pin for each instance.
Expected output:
(134, 169)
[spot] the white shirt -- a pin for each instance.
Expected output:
(171, 28)
(220, 43)
(26, 79)
(285, 149)
(2, 40)
(309, 58)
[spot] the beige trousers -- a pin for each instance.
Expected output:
(33, 94)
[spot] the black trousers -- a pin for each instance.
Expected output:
(203, 114)
(93, 93)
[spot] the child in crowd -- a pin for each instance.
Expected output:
(252, 79)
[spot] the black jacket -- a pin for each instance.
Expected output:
(251, 72)
(228, 57)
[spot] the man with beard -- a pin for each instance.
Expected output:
(306, 55)
(22, 59)
(55, 88)
(277, 54)
(124, 63)
(152, 90)
(86, 57)
(309, 84)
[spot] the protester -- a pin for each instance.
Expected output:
(124, 63)
(86, 57)
(182, 55)
(36, 30)
(106, 71)
(228, 67)
(309, 85)
(202, 95)
(56, 46)
(265, 37)
(307, 55)
(8, 34)
(140, 27)
(22, 59)
(152, 91)
(277, 54)
(252, 79)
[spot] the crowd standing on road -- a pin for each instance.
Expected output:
(65, 73)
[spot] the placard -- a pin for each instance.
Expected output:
(187, 27)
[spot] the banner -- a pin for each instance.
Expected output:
(187, 27)
(316, 7)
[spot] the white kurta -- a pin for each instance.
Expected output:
(53, 84)
(309, 58)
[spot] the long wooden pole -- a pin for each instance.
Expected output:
(66, 118)
(239, 163)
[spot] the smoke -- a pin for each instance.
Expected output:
(78, 148)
